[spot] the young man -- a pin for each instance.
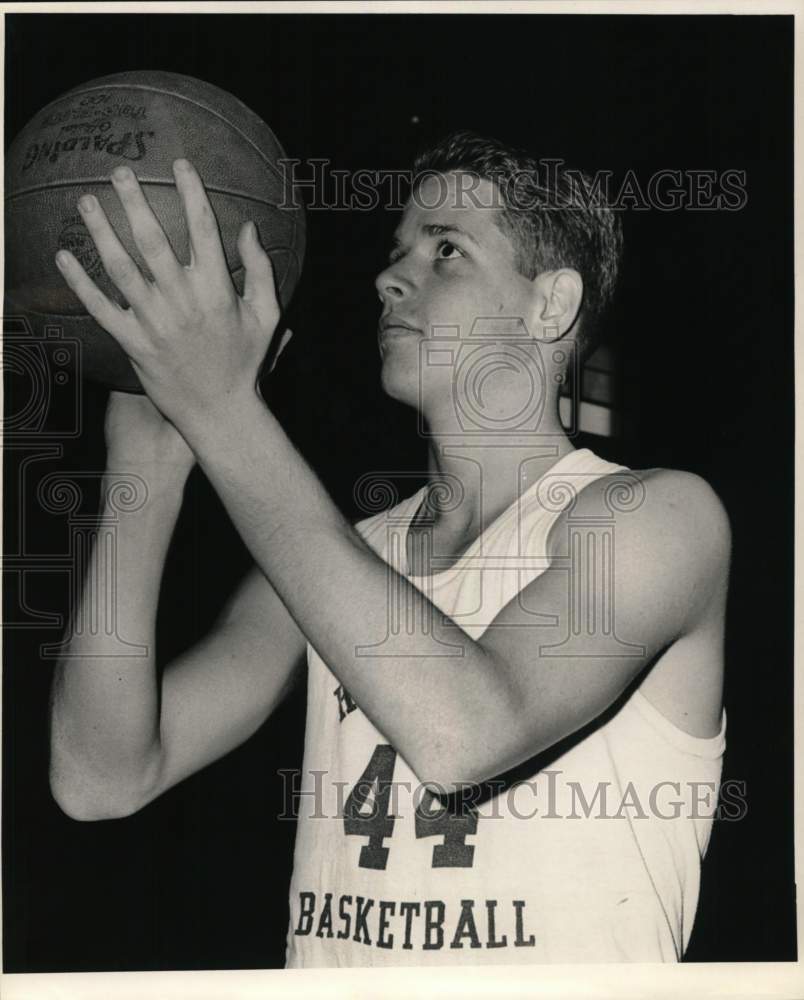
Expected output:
(515, 729)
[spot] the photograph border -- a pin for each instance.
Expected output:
(624, 981)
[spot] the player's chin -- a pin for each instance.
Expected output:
(399, 381)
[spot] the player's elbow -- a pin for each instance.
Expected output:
(471, 750)
(86, 798)
(455, 771)
(85, 808)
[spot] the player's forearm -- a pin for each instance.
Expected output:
(427, 685)
(105, 698)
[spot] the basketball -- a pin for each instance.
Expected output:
(145, 120)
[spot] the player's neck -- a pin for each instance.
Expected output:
(472, 480)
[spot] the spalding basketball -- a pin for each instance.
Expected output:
(145, 120)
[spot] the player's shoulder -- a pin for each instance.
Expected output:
(661, 511)
(685, 504)
(684, 500)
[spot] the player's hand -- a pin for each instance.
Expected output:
(195, 344)
(139, 439)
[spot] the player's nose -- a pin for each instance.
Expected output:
(392, 284)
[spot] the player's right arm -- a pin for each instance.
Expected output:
(120, 736)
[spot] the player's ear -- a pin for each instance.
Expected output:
(559, 295)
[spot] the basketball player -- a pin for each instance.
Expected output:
(514, 726)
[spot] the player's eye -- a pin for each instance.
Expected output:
(446, 250)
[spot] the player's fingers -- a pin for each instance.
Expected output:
(259, 288)
(202, 226)
(148, 234)
(105, 312)
(119, 266)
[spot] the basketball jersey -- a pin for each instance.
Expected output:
(593, 858)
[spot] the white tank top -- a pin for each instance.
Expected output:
(594, 856)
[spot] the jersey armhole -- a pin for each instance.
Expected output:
(707, 747)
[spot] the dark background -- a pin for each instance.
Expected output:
(704, 340)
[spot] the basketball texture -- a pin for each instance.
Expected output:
(145, 120)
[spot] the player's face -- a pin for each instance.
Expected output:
(451, 274)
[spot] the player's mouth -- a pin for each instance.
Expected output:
(392, 326)
(391, 323)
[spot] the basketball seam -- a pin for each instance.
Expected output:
(188, 100)
(144, 180)
(296, 219)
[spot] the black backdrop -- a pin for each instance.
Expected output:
(704, 331)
